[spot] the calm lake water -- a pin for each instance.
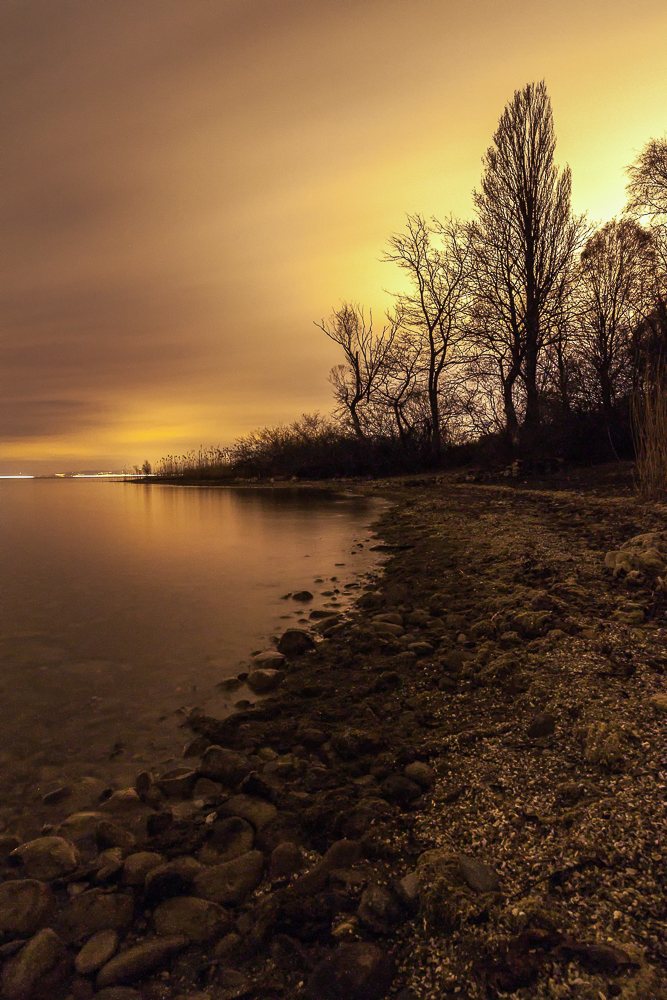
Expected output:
(122, 603)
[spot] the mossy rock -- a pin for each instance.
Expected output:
(446, 901)
(604, 745)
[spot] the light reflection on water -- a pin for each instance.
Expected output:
(118, 599)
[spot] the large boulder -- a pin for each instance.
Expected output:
(96, 952)
(646, 553)
(137, 866)
(255, 811)
(175, 878)
(81, 829)
(46, 858)
(453, 889)
(200, 920)
(136, 962)
(233, 881)
(93, 911)
(229, 838)
(25, 906)
(263, 681)
(295, 642)
(45, 953)
(226, 766)
(270, 659)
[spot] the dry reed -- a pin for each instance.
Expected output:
(649, 431)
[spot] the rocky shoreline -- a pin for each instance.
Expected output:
(456, 791)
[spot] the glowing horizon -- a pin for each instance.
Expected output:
(196, 184)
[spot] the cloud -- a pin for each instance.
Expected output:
(187, 184)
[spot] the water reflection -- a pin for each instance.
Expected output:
(123, 601)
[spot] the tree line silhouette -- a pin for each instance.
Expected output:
(525, 330)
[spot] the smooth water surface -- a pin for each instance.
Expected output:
(123, 602)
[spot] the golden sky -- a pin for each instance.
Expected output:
(188, 184)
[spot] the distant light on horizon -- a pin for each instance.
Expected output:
(20, 476)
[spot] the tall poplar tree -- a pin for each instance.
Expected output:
(524, 241)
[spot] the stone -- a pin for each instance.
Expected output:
(302, 595)
(225, 766)
(158, 822)
(456, 659)
(452, 890)
(457, 622)
(341, 854)
(358, 971)
(227, 684)
(46, 858)
(21, 975)
(270, 659)
(80, 828)
(379, 909)
(175, 878)
(137, 866)
(651, 562)
(25, 906)
(124, 800)
(93, 911)
(397, 788)
(108, 863)
(286, 859)
(265, 680)
(418, 617)
(353, 743)
(178, 783)
(392, 617)
(206, 789)
(199, 920)
(285, 826)
(386, 628)
(8, 843)
(406, 890)
(533, 623)
(108, 834)
(233, 881)
(295, 642)
(369, 812)
(261, 786)
(479, 876)
(659, 703)
(96, 952)
(230, 838)
(136, 962)
(420, 773)
(118, 993)
(421, 648)
(227, 947)
(437, 604)
(310, 737)
(143, 784)
(255, 811)
(57, 795)
(196, 747)
(542, 725)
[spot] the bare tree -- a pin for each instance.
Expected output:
(365, 357)
(523, 242)
(616, 291)
(398, 388)
(434, 256)
(647, 192)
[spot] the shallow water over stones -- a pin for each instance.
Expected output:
(124, 605)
